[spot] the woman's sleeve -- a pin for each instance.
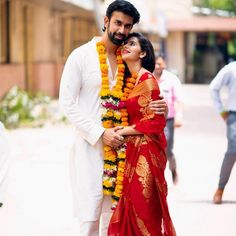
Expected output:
(151, 123)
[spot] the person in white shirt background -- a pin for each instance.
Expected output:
(80, 99)
(4, 162)
(171, 89)
(226, 77)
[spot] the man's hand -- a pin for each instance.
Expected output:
(224, 115)
(159, 106)
(111, 138)
(178, 122)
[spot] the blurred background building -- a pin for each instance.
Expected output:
(36, 36)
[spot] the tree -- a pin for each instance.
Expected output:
(227, 5)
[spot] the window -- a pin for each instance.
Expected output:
(4, 31)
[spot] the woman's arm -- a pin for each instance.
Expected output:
(150, 123)
(128, 130)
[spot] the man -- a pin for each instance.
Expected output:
(226, 77)
(4, 162)
(79, 96)
(170, 87)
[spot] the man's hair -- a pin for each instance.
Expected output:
(125, 7)
(160, 55)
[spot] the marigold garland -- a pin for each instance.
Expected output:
(114, 113)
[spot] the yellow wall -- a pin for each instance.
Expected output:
(175, 53)
(42, 34)
(177, 9)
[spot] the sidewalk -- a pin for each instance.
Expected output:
(199, 147)
(39, 201)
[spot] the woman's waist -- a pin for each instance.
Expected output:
(136, 139)
(143, 139)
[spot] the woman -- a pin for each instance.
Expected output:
(142, 208)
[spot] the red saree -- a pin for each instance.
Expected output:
(142, 210)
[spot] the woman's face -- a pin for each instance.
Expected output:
(131, 50)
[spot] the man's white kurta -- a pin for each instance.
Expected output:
(4, 162)
(79, 98)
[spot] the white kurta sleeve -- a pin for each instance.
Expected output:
(215, 86)
(5, 162)
(70, 87)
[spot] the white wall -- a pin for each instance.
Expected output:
(175, 9)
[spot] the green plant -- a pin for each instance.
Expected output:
(19, 108)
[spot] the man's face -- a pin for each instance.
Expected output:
(118, 27)
(159, 66)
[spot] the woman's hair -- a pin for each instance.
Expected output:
(125, 7)
(148, 62)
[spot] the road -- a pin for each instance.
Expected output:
(38, 201)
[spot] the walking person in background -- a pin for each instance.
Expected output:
(90, 91)
(4, 163)
(142, 208)
(170, 87)
(226, 77)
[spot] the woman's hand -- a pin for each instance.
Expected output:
(112, 138)
(128, 130)
(120, 132)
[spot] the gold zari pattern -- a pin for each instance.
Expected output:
(145, 176)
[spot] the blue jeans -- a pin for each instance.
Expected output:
(169, 133)
(230, 155)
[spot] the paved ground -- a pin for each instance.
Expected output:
(38, 202)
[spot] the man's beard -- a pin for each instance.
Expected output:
(114, 40)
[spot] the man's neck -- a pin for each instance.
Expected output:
(157, 76)
(110, 47)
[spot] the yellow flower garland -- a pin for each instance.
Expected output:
(114, 159)
(114, 113)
